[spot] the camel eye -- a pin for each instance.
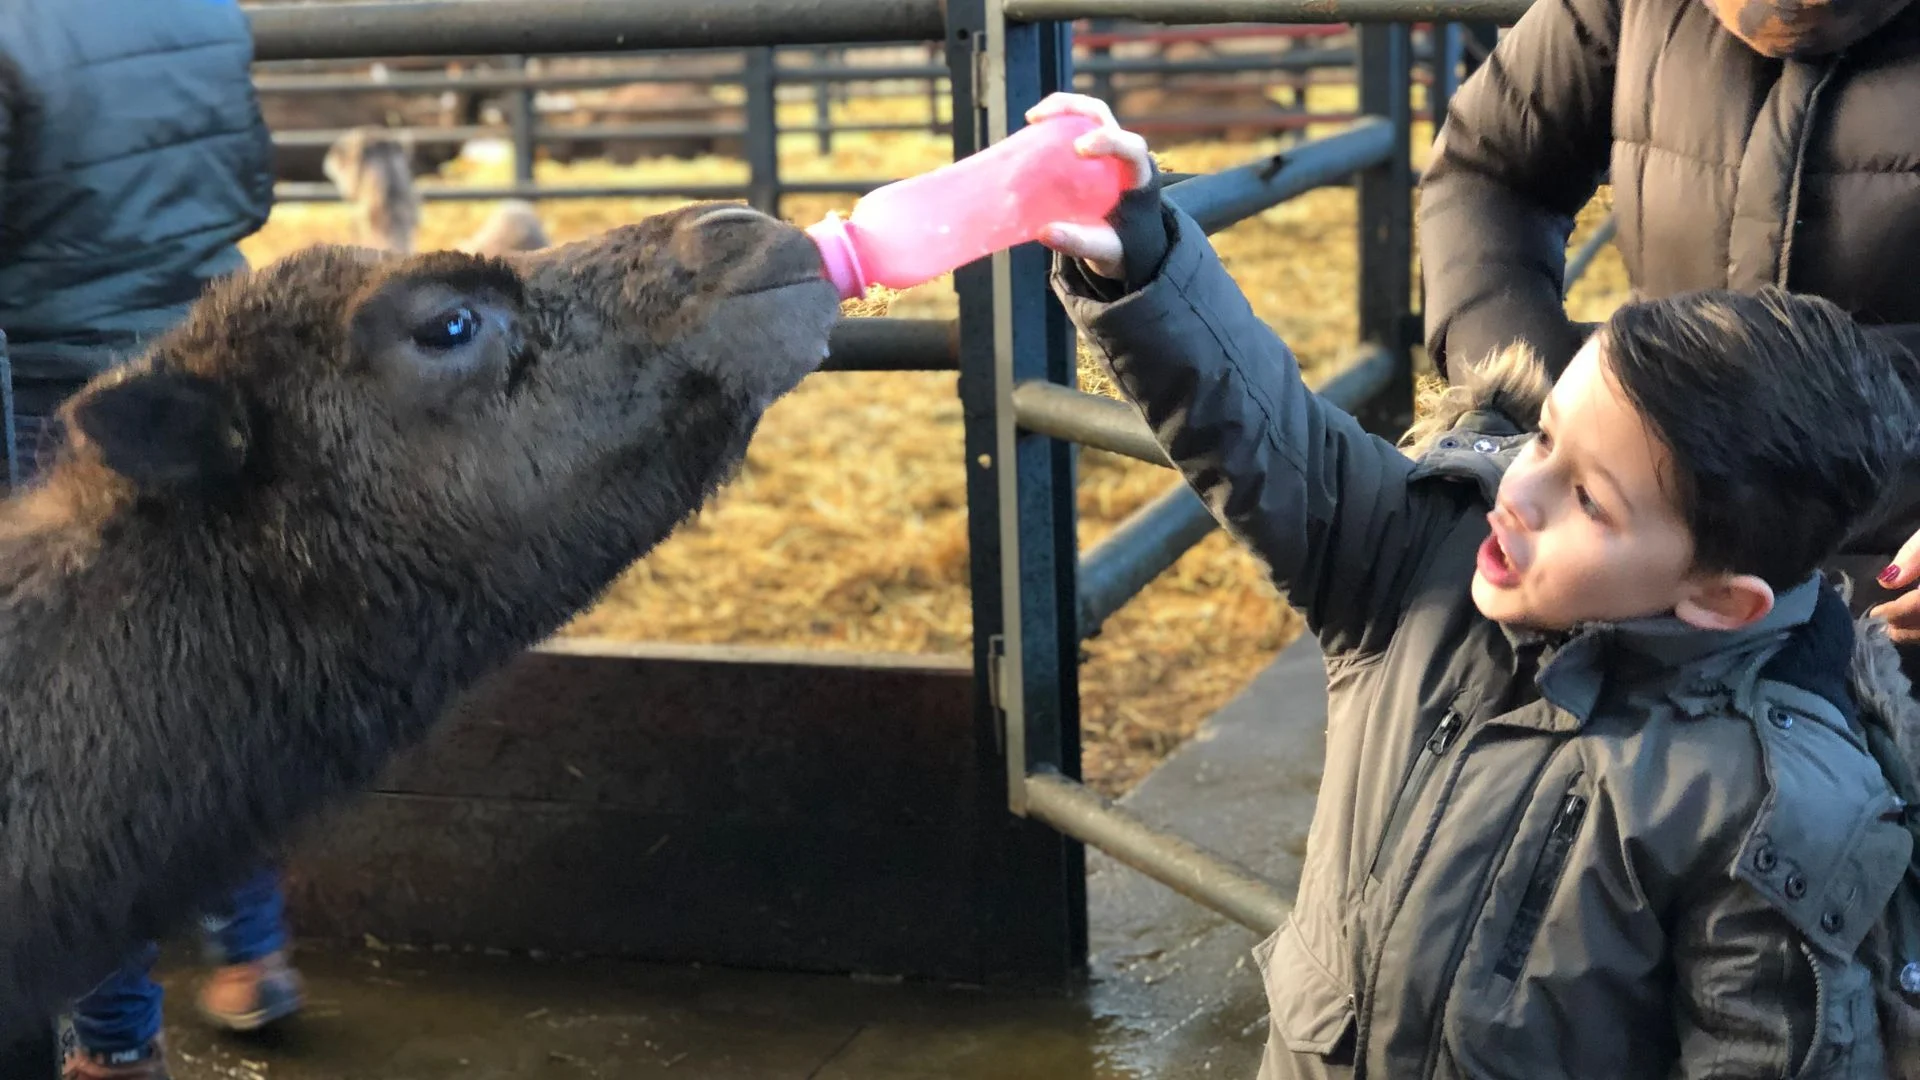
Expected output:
(448, 330)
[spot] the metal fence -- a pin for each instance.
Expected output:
(1035, 596)
(762, 77)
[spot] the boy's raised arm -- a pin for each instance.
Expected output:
(1297, 480)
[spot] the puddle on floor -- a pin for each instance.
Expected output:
(426, 1016)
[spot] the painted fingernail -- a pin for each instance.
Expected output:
(1890, 575)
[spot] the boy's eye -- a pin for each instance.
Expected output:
(1588, 506)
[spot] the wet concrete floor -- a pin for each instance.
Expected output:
(1173, 993)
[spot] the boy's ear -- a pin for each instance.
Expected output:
(166, 430)
(1726, 602)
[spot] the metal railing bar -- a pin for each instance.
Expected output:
(487, 82)
(853, 74)
(491, 82)
(1251, 63)
(436, 135)
(291, 191)
(894, 345)
(1045, 408)
(1153, 538)
(1582, 260)
(482, 82)
(1103, 423)
(1220, 199)
(1187, 868)
(323, 192)
(1140, 549)
(431, 135)
(1192, 12)
(534, 27)
(1369, 372)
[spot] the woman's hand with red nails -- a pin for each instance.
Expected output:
(1902, 614)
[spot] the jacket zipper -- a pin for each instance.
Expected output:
(1430, 755)
(1801, 139)
(1819, 1010)
(1546, 877)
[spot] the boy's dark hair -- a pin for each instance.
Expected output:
(1786, 422)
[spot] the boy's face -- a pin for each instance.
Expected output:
(1586, 529)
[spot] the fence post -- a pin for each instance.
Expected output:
(1102, 78)
(524, 118)
(1020, 521)
(763, 132)
(822, 98)
(1449, 45)
(1387, 318)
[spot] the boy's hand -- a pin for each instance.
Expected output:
(1902, 615)
(1096, 245)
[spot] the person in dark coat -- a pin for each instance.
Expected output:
(133, 158)
(1747, 142)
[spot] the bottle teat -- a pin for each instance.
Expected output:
(842, 259)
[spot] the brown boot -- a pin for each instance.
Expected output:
(149, 1063)
(246, 997)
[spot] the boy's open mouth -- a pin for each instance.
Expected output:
(1495, 564)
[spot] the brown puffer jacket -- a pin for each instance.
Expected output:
(1729, 169)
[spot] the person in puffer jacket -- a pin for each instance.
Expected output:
(1596, 799)
(1746, 143)
(133, 158)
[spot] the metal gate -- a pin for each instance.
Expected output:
(1036, 598)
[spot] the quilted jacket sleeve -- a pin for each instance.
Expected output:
(1525, 145)
(1322, 502)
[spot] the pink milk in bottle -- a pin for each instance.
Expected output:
(914, 230)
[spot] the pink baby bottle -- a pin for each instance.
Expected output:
(914, 230)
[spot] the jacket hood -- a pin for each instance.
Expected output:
(1500, 397)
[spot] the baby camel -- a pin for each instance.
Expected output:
(371, 168)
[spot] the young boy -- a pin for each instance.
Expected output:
(1596, 800)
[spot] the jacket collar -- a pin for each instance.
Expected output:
(1658, 651)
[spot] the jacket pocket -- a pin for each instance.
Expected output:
(1541, 883)
(1312, 1009)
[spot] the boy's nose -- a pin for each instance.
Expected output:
(1517, 512)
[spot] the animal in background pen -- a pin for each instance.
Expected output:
(372, 170)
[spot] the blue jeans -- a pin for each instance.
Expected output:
(123, 1013)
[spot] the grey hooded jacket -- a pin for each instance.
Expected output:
(1638, 850)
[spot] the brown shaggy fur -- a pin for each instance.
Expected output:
(269, 552)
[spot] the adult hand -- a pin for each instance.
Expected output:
(1098, 246)
(1902, 614)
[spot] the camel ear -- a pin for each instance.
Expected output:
(166, 431)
